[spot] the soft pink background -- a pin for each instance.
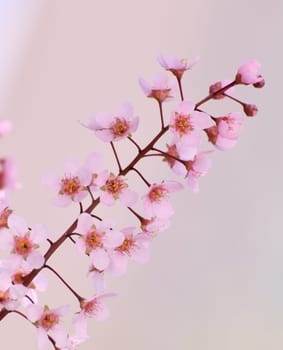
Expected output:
(214, 281)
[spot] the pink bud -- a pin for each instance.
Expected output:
(250, 110)
(259, 84)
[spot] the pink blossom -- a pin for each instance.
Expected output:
(47, 322)
(114, 187)
(248, 73)
(196, 168)
(5, 127)
(24, 242)
(10, 294)
(176, 65)
(162, 89)
(97, 241)
(225, 133)
(154, 225)
(73, 185)
(156, 202)
(185, 121)
(95, 308)
(114, 127)
(135, 247)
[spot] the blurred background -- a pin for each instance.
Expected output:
(214, 281)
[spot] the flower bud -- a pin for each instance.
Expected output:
(250, 110)
(259, 84)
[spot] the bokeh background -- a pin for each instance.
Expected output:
(214, 281)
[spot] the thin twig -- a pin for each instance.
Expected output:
(135, 143)
(64, 282)
(141, 176)
(116, 156)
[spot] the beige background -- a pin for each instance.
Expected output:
(214, 281)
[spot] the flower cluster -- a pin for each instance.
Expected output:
(109, 248)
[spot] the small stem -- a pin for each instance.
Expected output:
(19, 313)
(29, 298)
(135, 143)
(180, 87)
(141, 176)
(235, 99)
(90, 193)
(49, 241)
(96, 217)
(136, 214)
(116, 156)
(81, 207)
(64, 282)
(161, 115)
(72, 239)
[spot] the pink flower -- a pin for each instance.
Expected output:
(248, 73)
(113, 188)
(47, 322)
(161, 90)
(176, 65)
(114, 127)
(10, 294)
(5, 127)
(225, 133)
(23, 242)
(196, 168)
(72, 187)
(134, 247)
(156, 202)
(185, 121)
(97, 241)
(95, 308)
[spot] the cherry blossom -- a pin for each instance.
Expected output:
(97, 240)
(114, 127)
(135, 247)
(10, 294)
(72, 187)
(185, 121)
(196, 168)
(8, 176)
(156, 201)
(47, 322)
(176, 65)
(162, 89)
(225, 133)
(23, 242)
(114, 187)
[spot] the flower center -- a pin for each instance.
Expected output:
(48, 320)
(4, 217)
(120, 127)
(127, 245)
(23, 245)
(70, 186)
(93, 240)
(90, 307)
(182, 124)
(115, 185)
(157, 193)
